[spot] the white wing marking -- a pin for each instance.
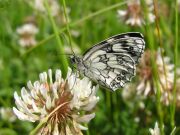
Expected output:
(99, 65)
(112, 74)
(96, 59)
(96, 54)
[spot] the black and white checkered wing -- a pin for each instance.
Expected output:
(112, 62)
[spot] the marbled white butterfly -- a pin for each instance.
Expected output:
(112, 62)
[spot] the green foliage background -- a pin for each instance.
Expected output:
(113, 115)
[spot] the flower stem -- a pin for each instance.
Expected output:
(76, 23)
(39, 126)
(160, 40)
(173, 107)
(67, 24)
(61, 49)
(156, 78)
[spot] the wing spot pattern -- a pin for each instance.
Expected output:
(115, 59)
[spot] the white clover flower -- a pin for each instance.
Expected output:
(128, 91)
(167, 96)
(27, 34)
(146, 85)
(40, 7)
(134, 15)
(156, 130)
(67, 103)
(53, 4)
(75, 33)
(130, 96)
(7, 114)
(55, 8)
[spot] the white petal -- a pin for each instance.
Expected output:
(36, 85)
(58, 75)
(43, 91)
(22, 116)
(29, 85)
(72, 80)
(122, 12)
(92, 102)
(56, 130)
(55, 93)
(22, 106)
(86, 118)
(25, 95)
(148, 88)
(35, 108)
(140, 87)
(82, 127)
(69, 72)
(151, 17)
(48, 102)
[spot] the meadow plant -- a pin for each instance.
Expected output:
(64, 103)
(61, 105)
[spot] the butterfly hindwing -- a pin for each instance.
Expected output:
(112, 70)
(112, 62)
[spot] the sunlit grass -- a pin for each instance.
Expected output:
(96, 21)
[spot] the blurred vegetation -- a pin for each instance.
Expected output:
(18, 65)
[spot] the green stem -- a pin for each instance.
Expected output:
(76, 23)
(160, 40)
(39, 126)
(87, 131)
(67, 24)
(156, 78)
(173, 107)
(61, 49)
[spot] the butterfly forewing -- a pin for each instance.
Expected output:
(112, 62)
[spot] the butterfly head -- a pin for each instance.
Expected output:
(74, 59)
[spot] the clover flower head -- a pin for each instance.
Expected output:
(155, 131)
(65, 103)
(7, 114)
(27, 34)
(146, 85)
(134, 14)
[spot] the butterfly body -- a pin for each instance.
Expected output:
(112, 62)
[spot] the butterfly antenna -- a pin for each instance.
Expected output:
(68, 42)
(67, 26)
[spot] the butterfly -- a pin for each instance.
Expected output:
(112, 62)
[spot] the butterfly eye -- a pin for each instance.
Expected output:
(73, 60)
